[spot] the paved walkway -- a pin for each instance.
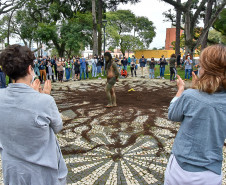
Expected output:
(129, 144)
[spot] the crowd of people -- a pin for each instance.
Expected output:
(64, 69)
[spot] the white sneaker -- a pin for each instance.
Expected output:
(163, 78)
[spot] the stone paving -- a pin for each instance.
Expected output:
(139, 163)
(89, 138)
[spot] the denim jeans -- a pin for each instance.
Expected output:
(173, 73)
(68, 73)
(151, 73)
(2, 80)
(98, 69)
(125, 67)
(94, 70)
(162, 71)
(133, 70)
(82, 71)
(187, 73)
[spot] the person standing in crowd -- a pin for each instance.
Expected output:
(188, 67)
(196, 157)
(102, 64)
(2, 79)
(94, 66)
(73, 67)
(162, 64)
(119, 65)
(36, 69)
(64, 72)
(135, 60)
(129, 61)
(179, 60)
(42, 69)
(99, 71)
(50, 71)
(142, 62)
(133, 68)
(47, 60)
(183, 60)
(112, 78)
(87, 69)
(125, 63)
(68, 67)
(196, 69)
(53, 62)
(77, 69)
(173, 71)
(152, 68)
(82, 67)
(60, 69)
(30, 152)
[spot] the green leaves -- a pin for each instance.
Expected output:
(129, 32)
(47, 32)
(145, 30)
(220, 24)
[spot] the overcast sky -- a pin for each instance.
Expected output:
(152, 9)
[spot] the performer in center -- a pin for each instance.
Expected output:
(112, 78)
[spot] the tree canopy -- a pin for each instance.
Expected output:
(193, 11)
(63, 25)
(220, 24)
(129, 32)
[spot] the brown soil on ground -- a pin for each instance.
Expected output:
(130, 105)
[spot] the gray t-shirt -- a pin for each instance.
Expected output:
(29, 122)
(172, 62)
(188, 64)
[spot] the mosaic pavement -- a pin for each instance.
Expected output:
(128, 145)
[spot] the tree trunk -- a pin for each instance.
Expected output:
(60, 52)
(95, 43)
(30, 42)
(188, 33)
(9, 22)
(100, 16)
(206, 21)
(41, 49)
(178, 21)
(38, 49)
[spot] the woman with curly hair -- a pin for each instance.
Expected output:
(29, 121)
(196, 157)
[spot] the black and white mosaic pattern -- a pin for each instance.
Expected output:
(130, 144)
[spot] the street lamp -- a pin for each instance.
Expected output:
(104, 23)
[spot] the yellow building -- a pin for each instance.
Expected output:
(156, 53)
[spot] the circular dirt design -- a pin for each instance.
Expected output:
(128, 144)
